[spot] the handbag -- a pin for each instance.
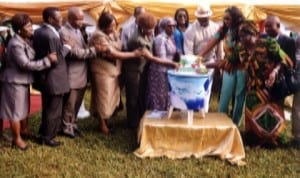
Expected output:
(286, 83)
(293, 79)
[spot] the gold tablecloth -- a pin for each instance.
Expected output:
(213, 135)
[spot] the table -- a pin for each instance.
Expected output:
(215, 134)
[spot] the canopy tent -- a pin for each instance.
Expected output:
(288, 10)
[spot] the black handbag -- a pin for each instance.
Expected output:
(280, 88)
(287, 83)
(293, 79)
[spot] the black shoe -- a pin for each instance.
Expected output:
(15, 146)
(78, 133)
(50, 143)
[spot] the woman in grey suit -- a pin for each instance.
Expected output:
(17, 76)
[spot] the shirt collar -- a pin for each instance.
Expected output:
(73, 29)
(53, 29)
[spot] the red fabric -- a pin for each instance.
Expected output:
(35, 106)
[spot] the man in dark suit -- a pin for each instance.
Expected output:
(287, 44)
(53, 82)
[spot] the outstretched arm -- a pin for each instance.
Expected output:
(211, 43)
(148, 55)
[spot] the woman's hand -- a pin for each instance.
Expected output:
(100, 47)
(138, 52)
(212, 65)
(272, 76)
(69, 41)
(175, 65)
(52, 57)
(146, 53)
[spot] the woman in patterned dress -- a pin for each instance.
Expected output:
(233, 81)
(262, 59)
(165, 48)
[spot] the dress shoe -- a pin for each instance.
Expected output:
(50, 143)
(78, 133)
(15, 146)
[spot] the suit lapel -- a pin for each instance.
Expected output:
(74, 35)
(29, 51)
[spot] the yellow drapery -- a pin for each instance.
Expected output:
(215, 135)
(122, 9)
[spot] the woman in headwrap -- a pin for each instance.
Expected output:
(157, 97)
(136, 69)
(262, 59)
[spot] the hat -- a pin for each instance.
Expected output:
(3, 28)
(5, 21)
(203, 11)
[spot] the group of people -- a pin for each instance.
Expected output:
(251, 65)
(59, 62)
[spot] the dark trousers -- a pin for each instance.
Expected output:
(51, 115)
(71, 105)
(135, 87)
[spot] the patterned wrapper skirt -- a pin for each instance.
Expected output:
(157, 97)
(264, 118)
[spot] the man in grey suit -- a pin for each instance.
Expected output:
(53, 82)
(77, 70)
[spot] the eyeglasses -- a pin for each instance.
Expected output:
(226, 18)
(171, 26)
(181, 16)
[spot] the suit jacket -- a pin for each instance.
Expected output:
(54, 80)
(288, 45)
(136, 41)
(19, 62)
(76, 59)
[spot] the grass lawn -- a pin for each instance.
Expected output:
(96, 155)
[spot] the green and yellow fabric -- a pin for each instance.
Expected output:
(264, 116)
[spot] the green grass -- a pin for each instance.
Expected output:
(96, 155)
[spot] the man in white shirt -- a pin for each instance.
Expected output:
(196, 38)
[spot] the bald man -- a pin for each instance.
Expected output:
(77, 70)
(130, 26)
(287, 44)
